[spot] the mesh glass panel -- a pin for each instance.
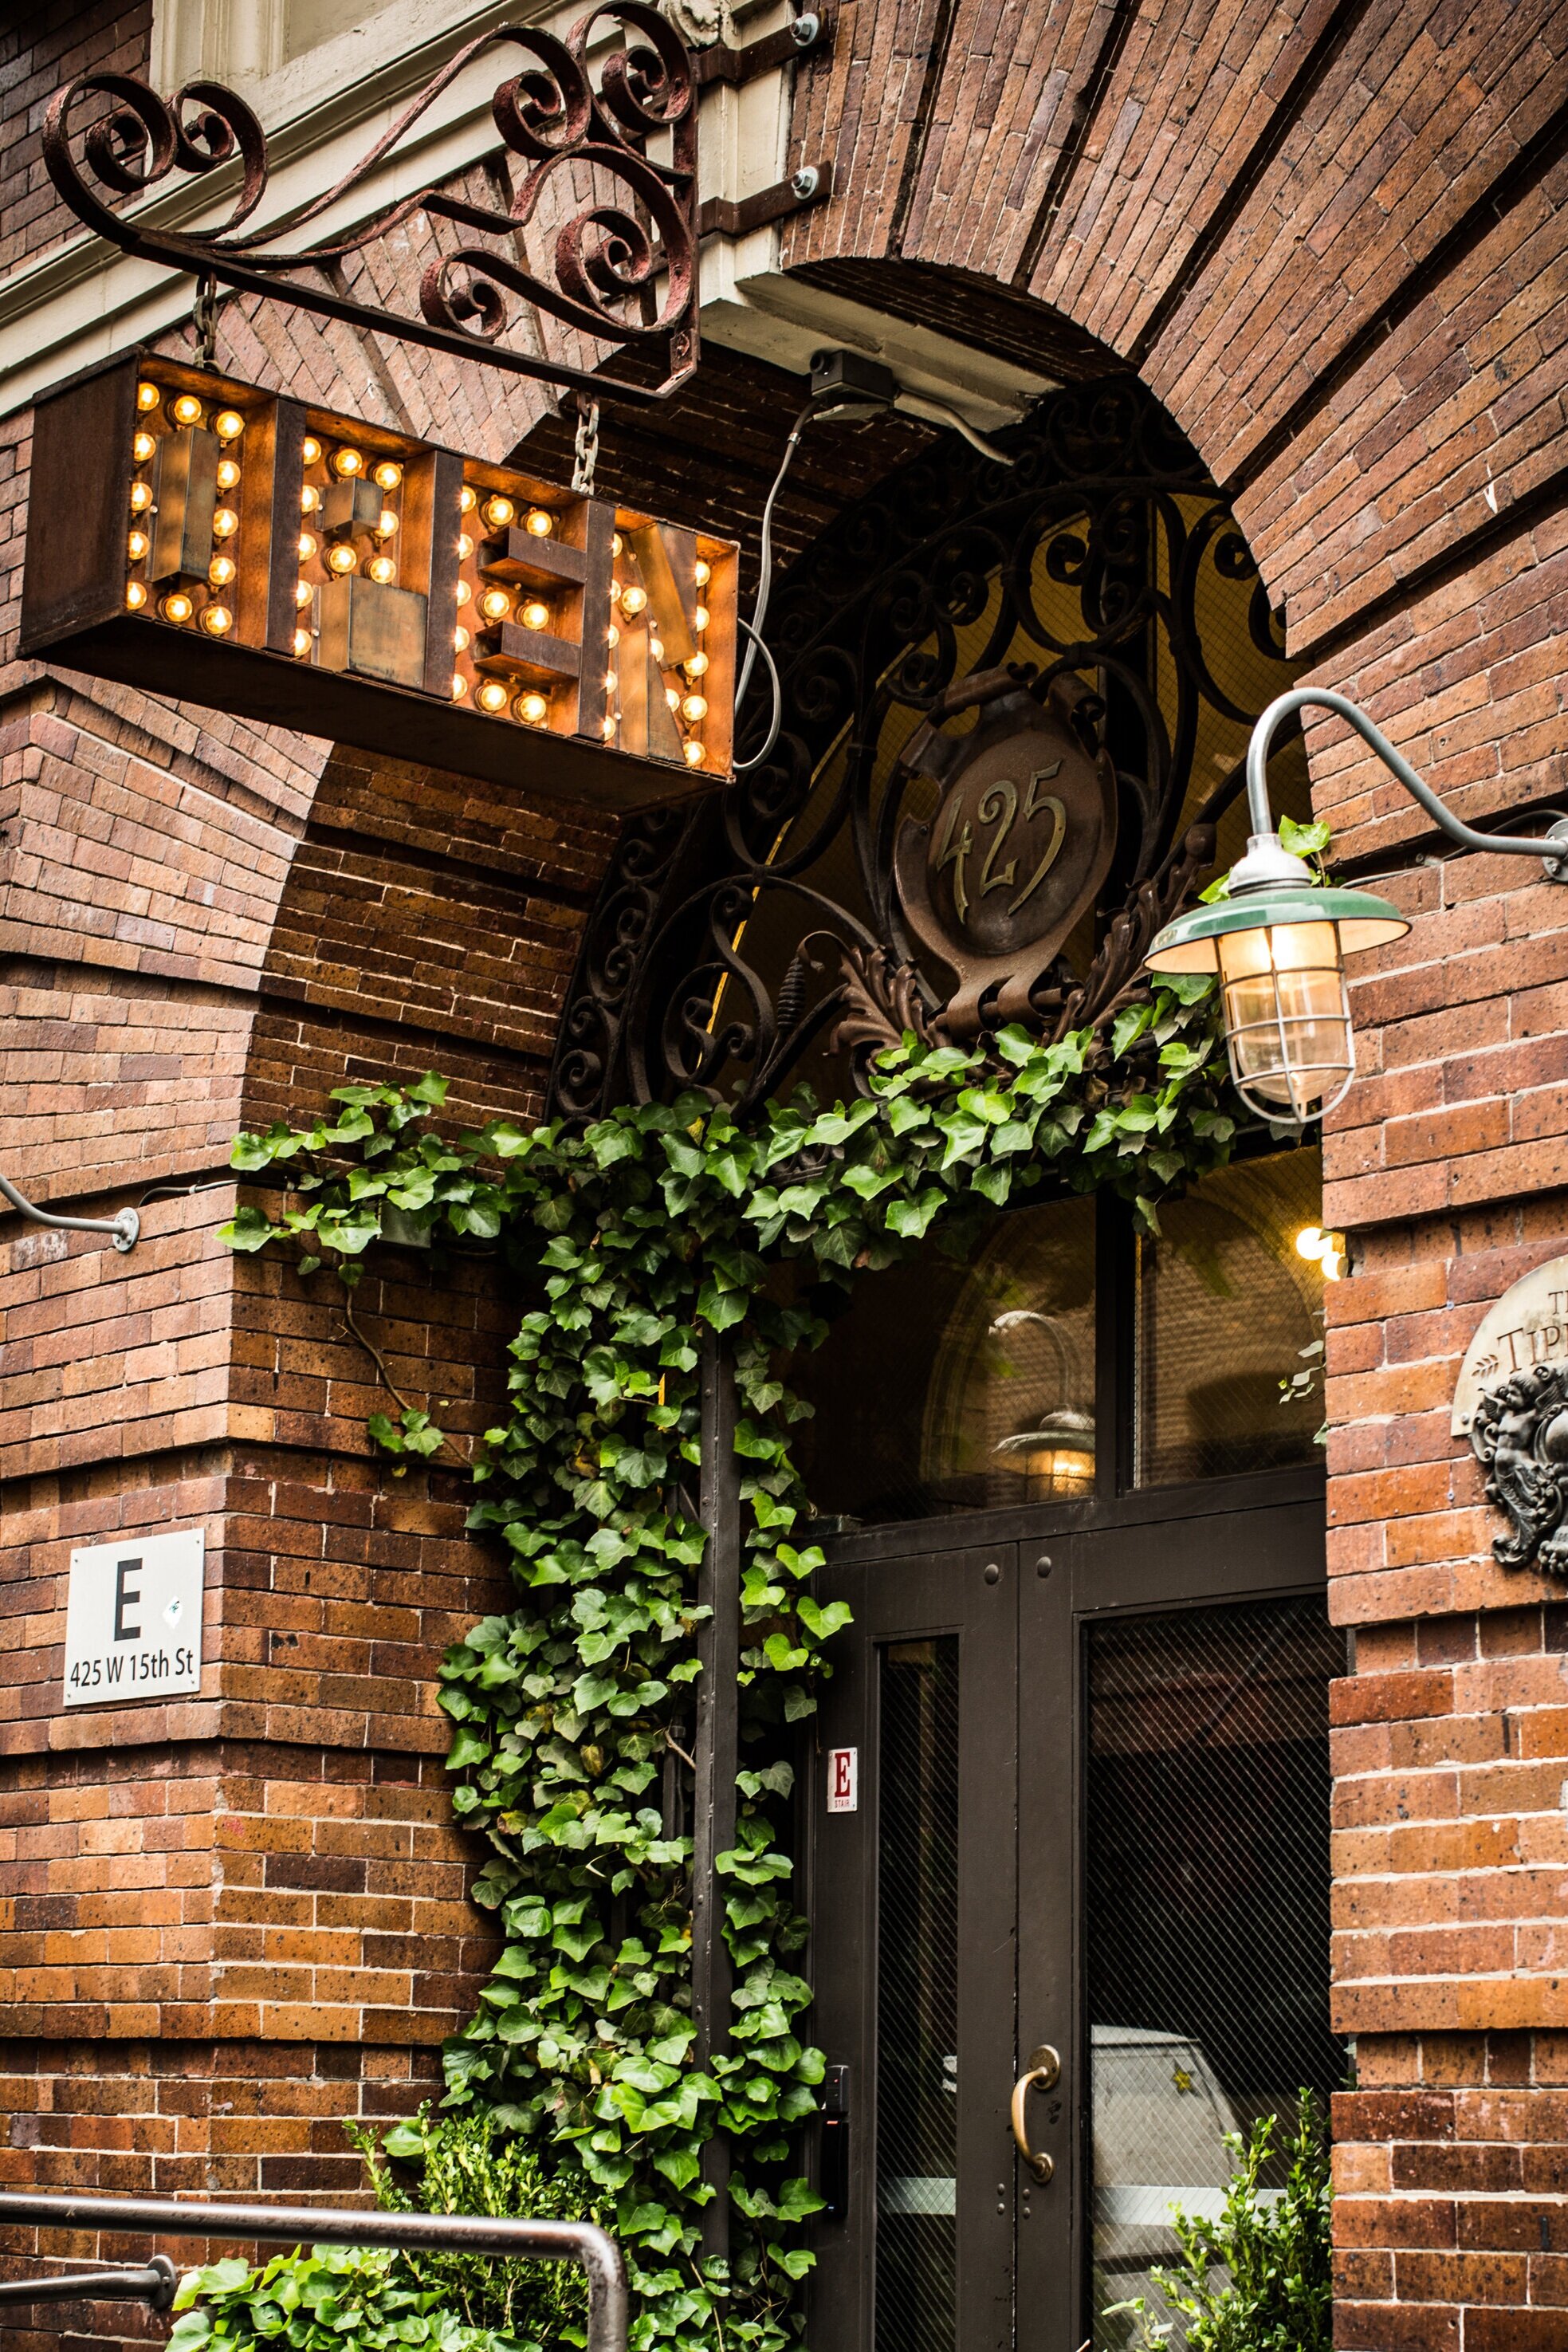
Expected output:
(1225, 1305)
(1208, 1913)
(917, 2005)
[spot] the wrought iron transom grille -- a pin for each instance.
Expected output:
(764, 938)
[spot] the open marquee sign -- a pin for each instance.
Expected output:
(197, 536)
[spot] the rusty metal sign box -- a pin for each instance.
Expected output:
(194, 536)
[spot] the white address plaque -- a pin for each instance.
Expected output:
(133, 1618)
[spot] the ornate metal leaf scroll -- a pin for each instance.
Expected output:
(605, 257)
(1063, 657)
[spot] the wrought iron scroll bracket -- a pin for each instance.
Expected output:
(623, 268)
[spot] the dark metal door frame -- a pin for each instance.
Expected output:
(1060, 1568)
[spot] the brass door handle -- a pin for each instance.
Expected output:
(1042, 2074)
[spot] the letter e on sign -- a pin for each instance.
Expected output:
(843, 1779)
(133, 1618)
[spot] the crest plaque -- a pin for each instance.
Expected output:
(1511, 1403)
(1019, 846)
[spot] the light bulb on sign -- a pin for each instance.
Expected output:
(695, 708)
(387, 475)
(697, 665)
(459, 686)
(136, 545)
(540, 523)
(498, 512)
(310, 449)
(143, 446)
(702, 572)
(342, 560)
(301, 641)
(492, 695)
(460, 641)
(147, 398)
(346, 463)
(221, 571)
(135, 595)
(228, 424)
(217, 619)
(383, 570)
(303, 591)
(140, 497)
(533, 709)
(307, 547)
(228, 473)
(226, 522)
(176, 606)
(534, 614)
(633, 601)
(694, 755)
(495, 603)
(187, 409)
(700, 618)
(310, 499)
(467, 499)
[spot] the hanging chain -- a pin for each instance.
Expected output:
(587, 448)
(205, 319)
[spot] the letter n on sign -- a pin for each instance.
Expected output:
(843, 1779)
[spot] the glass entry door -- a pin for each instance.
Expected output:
(1091, 1819)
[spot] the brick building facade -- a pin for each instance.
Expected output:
(1328, 234)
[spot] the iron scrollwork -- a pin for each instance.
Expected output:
(1519, 1433)
(606, 256)
(922, 603)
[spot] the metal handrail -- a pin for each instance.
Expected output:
(327, 2225)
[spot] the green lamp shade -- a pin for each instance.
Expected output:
(1192, 942)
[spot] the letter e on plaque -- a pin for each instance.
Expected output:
(843, 1779)
(133, 1618)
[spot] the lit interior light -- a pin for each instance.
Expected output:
(310, 449)
(460, 641)
(187, 409)
(695, 754)
(633, 601)
(303, 591)
(702, 572)
(383, 570)
(699, 619)
(307, 547)
(310, 499)
(540, 523)
(228, 473)
(301, 641)
(135, 595)
(348, 463)
(495, 603)
(143, 446)
(386, 523)
(534, 614)
(498, 512)
(533, 709)
(491, 695)
(226, 522)
(217, 619)
(228, 424)
(697, 665)
(387, 475)
(136, 546)
(467, 498)
(176, 606)
(221, 571)
(459, 686)
(694, 708)
(140, 497)
(342, 559)
(147, 398)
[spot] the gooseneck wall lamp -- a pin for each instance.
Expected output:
(1278, 940)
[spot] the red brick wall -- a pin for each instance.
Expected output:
(1330, 235)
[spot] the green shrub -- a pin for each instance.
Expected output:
(373, 2299)
(1259, 2278)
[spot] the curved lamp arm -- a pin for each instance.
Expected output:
(124, 1228)
(1285, 706)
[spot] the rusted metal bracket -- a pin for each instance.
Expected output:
(722, 217)
(735, 67)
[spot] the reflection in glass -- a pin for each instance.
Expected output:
(946, 1387)
(1227, 1305)
(1208, 1913)
(917, 1998)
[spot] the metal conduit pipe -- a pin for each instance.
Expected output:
(469, 2233)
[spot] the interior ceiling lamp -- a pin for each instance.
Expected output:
(1057, 1456)
(1278, 940)
(194, 536)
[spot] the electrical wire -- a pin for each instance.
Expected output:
(743, 766)
(765, 571)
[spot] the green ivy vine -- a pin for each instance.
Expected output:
(625, 1242)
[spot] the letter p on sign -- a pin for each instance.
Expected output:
(843, 1779)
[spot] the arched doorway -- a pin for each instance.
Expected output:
(1070, 1786)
